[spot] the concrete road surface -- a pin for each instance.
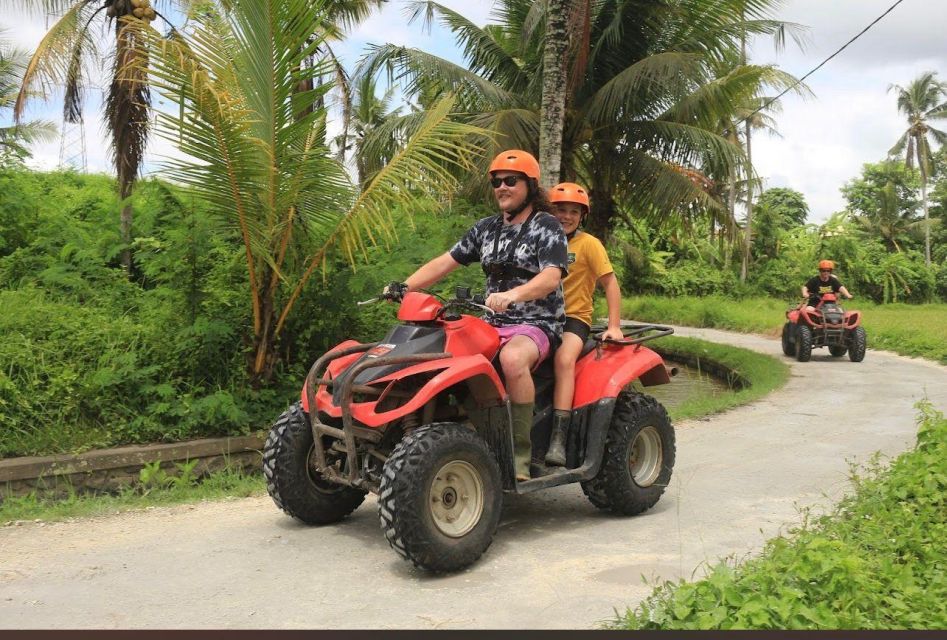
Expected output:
(556, 562)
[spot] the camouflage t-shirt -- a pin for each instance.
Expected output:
(542, 245)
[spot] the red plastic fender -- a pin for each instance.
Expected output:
(485, 385)
(471, 335)
(852, 319)
(604, 377)
(418, 307)
(335, 367)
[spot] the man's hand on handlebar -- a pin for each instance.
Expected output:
(394, 291)
(500, 301)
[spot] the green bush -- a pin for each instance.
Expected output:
(877, 561)
(91, 358)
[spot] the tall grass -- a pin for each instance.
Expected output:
(911, 330)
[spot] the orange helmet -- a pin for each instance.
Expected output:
(569, 192)
(826, 264)
(516, 160)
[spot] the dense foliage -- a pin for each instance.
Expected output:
(91, 359)
(876, 243)
(875, 562)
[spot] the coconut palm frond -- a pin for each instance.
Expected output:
(422, 166)
(661, 190)
(624, 91)
(421, 70)
(484, 54)
(56, 55)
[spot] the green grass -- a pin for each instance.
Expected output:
(164, 491)
(911, 330)
(755, 374)
(877, 561)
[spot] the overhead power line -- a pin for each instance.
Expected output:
(821, 64)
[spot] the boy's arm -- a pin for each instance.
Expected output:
(609, 283)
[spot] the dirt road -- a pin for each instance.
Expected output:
(556, 561)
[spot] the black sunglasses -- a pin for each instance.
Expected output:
(509, 181)
(825, 271)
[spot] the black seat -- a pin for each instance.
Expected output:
(587, 348)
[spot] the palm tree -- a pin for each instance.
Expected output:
(367, 113)
(255, 150)
(920, 102)
(69, 47)
(552, 116)
(15, 139)
(62, 55)
(641, 98)
(889, 219)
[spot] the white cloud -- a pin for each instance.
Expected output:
(852, 119)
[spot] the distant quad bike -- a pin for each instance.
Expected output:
(422, 419)
(828, 326)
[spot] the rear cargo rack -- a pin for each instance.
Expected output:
(634, 333)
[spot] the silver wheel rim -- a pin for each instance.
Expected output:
(456, 498)
(645, 456)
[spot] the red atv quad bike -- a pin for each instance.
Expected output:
(422, 419)
(828, 326)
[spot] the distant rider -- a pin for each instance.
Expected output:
(825, 282)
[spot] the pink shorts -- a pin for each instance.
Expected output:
(537, 335)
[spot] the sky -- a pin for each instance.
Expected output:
(823, 140)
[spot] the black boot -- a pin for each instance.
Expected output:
(556, 455)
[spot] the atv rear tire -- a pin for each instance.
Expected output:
(440, 497)
(803, 343)
(837, 351)
(292, 480)
(638, 458)
(858, 345)
(788, 348)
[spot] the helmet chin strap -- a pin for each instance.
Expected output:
(515, 211)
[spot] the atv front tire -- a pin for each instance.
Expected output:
(440, 497)
(858, 345)
(638, 458)
(788, 348)
(837, 351)
(803, 343)
(292, 480)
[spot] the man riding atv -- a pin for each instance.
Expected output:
(821, 284)
(818, 321)
(523, 252)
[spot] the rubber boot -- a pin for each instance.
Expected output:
(522, 415)
(556, 455)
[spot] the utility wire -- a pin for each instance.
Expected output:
(821, 64)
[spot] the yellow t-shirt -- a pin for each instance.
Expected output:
(587, 263)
